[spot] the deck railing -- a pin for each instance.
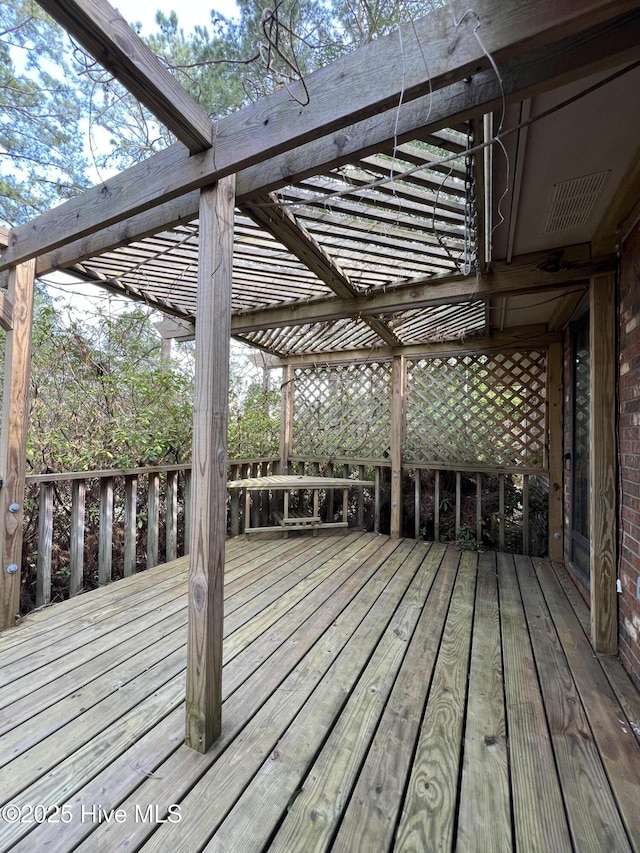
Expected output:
(80, 520)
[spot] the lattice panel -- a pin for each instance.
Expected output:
(342, 410)
(477, 409)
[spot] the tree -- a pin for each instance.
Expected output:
(41, 159)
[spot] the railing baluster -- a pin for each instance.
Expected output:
(436, 505)
(76, 550)
(45, 542)
(130, 524)
(416, 503)
(525, 514)
(234, 507)
(187, 511)
(105, 531)
(171, 521)
(361, 498)
(501, 511)
(376, 517)
(153, 522)
(458, 501)
(479, 508)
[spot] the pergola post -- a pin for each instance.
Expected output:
(603, 506)
(554, 451)
(13, 439)
(398, 382)
(209, 471)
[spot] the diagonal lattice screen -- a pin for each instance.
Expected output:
(342, 410)
(477, 409)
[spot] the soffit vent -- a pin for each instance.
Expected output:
(574, 201)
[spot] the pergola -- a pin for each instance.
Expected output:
(443, 189)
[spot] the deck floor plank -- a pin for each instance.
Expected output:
(371, 815)
(328, 628)
(283, 737)
(619, 749)
(428, 818)
(313, 817)
(340, 653)
(540, 822)
(590, 805)
(484, 821)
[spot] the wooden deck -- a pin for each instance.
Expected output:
(379, 695)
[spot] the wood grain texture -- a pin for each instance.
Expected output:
(45, 542)
(370, 817)
(429, 813)
(76, 548)
(555, 450)
(279, 122)
(619, 749)
(398, 390)
(153, 519)
(314, 815)
(130, 524)
(105, 545)
(484, 820)
(522, 277)
(283, 737)
(13, 452)
(539, 817)
(6, 312)
(171, 503)
(209, 466)
(602, 464)
(107, 36)
(594, 820)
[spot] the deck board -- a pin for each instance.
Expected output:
(378, 695)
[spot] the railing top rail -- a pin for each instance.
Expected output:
(97, 475)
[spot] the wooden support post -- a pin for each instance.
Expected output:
(45, 543)
(603, 504)
(130, 524)
(171, 500)
(398, 377)
(554, 451)
(76, 550)
(105, 543)
(13, 439)
(209, 521)
(153, 520)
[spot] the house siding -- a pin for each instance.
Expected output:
(629, 455)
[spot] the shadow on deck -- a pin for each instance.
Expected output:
(379, 695)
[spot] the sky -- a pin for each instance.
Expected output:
(189, 13)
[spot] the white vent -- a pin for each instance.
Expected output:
(574, 201)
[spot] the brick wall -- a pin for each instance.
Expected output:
(629, 438)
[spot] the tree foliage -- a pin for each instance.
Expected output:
(41, 160)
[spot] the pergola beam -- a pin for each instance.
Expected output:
(106, 35)
(280, 122)
(282, 224)
(502, 281)
(530, 337)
